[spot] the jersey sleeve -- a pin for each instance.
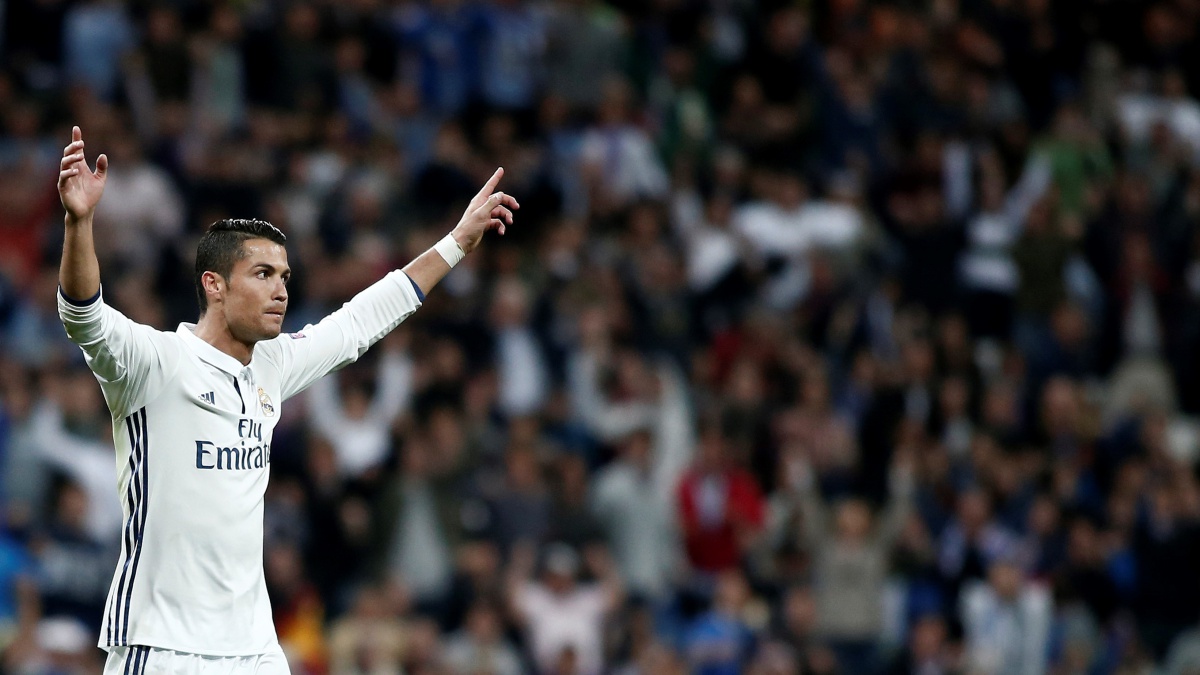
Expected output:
(343, 336)
(132, 361)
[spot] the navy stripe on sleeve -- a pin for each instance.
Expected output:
(420, 295)
(79, 303)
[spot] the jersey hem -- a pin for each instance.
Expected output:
(168, 645)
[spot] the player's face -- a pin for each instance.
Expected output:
(256, 297)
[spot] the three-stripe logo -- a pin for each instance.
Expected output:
(136, 495)
(135, 660)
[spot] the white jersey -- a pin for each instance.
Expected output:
(192, 428)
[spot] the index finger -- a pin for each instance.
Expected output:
(490, 186)
(76, 134)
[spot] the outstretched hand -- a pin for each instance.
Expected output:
(488, 210)
(79, 187)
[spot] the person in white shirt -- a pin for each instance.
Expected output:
(1006, 622)
(617, 158)
(654, 397)
(144, 209)
(357, 424)
(193, 412)
(638, 521)
(86, 461)
(521, 370)
(563, 618)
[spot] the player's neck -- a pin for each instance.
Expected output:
(212, 328)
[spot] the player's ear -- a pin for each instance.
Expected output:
(214, 286)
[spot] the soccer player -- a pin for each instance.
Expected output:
(193, 411)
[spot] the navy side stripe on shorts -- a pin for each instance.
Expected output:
(135, 660)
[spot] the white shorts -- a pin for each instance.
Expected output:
(154, 661)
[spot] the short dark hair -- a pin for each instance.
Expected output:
(221, 247)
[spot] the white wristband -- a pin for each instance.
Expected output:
(450, 251)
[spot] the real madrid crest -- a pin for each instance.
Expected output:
(264, 402)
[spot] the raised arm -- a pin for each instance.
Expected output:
(902, 490)
(393, 385)
(608, 421)
(343, 336)
(488, 210)
(130, 360)
(805, 497)
(80, 189)
(518, 582)
(600, 563)
(325, 407)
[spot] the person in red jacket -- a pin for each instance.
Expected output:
(720, 504)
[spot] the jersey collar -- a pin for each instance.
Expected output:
(208, 353)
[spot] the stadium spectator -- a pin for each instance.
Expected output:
(638, 521)
(721, 507)
(850, 555)
(357, 423)
(1006, 622)
(719, 641)
(563, 619)
(480, 646)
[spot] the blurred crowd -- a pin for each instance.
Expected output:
(833, 336)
